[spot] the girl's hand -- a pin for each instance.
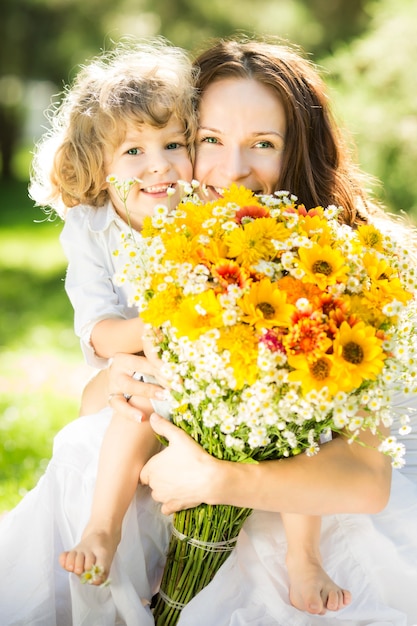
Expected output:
(125, 391)
(180, 475)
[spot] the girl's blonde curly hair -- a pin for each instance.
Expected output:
(134, 83)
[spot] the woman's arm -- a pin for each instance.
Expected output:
(341, 478)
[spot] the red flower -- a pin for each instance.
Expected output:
(251, 212)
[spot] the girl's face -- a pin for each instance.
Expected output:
(241, 137)
(156, 156)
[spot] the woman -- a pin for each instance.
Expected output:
(252, 587)
(275, 105)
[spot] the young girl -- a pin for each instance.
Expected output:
(128, 115)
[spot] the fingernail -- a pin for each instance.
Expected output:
(138, 417)
(163, 394)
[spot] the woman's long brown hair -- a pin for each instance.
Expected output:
(317, 165)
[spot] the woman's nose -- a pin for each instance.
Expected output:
(235, 165)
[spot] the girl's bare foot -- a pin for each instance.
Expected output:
(96, 548)
(312, 590)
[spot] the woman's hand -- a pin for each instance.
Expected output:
(342, 478)
(125, 390)
(180, 475)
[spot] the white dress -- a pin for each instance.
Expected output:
(375, 557)
(89, 238)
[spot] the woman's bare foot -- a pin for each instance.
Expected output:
(312, 590)
(96, 548)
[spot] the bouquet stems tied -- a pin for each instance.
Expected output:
(202, 540)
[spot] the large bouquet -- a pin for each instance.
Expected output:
(277, 325)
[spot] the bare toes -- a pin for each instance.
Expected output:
(96, 575)
(315, 608)
(347, 597)
(334, 600)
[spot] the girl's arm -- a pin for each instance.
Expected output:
(111, 336)
(103, 320)
(341, 478)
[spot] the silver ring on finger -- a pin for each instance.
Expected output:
(138, 376)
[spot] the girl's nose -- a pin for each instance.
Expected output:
(158, 163)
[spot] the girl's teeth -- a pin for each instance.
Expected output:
(156, 189)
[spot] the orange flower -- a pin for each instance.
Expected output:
(229, 273)
(250, 212)
(295, 289)
(308, 336)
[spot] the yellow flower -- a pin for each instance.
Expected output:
(371, 237)
(237, 195)
(181, 249)
(313, 375)
(197, 314)
(358, 355)
(385, 285)
(361, 308)
(194, 217)
(323, 266)
(148, 230)
(162, 306)
(265, 305)
(212, 252)
(376, 268)
(316, 228)
(242, 343)
(253, 242)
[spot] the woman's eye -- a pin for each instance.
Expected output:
(133, 151)
(264, 144)
(209, 140)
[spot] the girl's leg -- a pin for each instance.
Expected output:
(95, 395)
(126, 447)
(311, 589)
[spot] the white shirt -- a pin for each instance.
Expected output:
(89, 238)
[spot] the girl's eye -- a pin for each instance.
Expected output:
(174, 145)
(133, 151)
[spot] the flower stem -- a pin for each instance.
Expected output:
(190, 567)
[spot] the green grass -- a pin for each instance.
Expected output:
(41, 367)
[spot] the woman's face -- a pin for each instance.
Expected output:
(241, 137)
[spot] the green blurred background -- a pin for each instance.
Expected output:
(368, 52)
